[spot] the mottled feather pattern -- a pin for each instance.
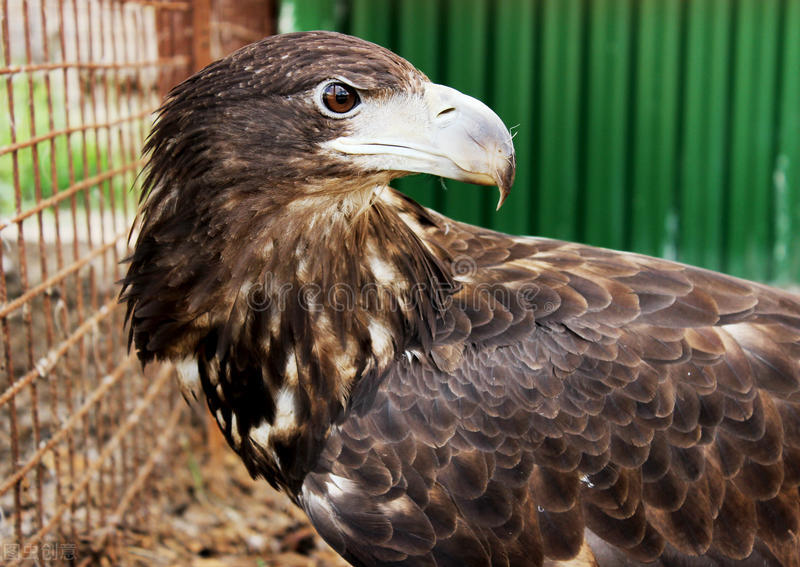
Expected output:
(653, 424)
(433, 393)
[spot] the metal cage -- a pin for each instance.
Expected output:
(84, 433)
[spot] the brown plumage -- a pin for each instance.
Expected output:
(433, 393)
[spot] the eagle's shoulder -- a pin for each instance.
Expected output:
(643, 400)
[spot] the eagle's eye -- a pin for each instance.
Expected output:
(339, 97)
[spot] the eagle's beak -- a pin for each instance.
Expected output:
(442, 132)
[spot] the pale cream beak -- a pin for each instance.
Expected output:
(442, 132)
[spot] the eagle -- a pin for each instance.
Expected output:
(433, 393)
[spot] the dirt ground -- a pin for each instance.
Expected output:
(212, 514)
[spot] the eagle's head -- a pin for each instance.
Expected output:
(267, 171)
(300, 113)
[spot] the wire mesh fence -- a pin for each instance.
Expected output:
(82, 429)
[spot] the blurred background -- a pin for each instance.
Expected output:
(668, 127)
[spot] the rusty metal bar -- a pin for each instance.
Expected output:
(49, 319)
(129, 154)
(49, 136)
(201, 34)
(78, 285)
(21, 250)
(177, 6)
(176, 61)
(82, 376)
(27, 315)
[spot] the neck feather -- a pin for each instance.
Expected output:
(327, 297)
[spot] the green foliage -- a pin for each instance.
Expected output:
(87, 151)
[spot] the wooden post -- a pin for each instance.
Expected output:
(201, 34)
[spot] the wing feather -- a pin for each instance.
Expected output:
(647, 406)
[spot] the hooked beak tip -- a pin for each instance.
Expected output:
(503, 196)
(505, 179)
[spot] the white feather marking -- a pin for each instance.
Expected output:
(291, 369)
(260, 435)
(315, 501)
(188, 377)
(411, 354)
(236, 437)
(383, 271)
(302, 266)
(381, 339)
(339, 486)
(220, 419)
(401, 505)
(284, 409)
(412, 223)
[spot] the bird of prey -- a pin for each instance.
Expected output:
(432, 393)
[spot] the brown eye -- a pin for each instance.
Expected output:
(339, 98)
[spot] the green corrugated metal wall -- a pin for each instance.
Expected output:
(669, 127)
